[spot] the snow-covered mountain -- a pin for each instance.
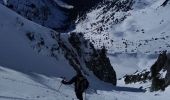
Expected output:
(128, 26)
(133, 31)
(32, 48)
(114, 41)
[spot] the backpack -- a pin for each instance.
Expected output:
(82, 83)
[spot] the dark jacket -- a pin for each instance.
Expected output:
(75, 80)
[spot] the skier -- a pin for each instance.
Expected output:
(80, 83)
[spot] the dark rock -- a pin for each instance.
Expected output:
(95, 60)
(160, 72)
(81, 7)
(30, 36)
(137, 77)
(165, 3)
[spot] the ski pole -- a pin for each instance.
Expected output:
(59, 87)
(60, 84)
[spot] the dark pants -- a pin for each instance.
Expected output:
(79, 95)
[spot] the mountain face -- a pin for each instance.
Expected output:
(128, 26)
(104, 36)
(129, 29)
(95, 60)
(73, 49)
(80, 55)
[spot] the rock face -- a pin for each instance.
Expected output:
(95, 60)
(101, 67)
(165, 3)
(160, 72)
(79, 52)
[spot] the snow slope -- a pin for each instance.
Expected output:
(19, 86)
(17, 51)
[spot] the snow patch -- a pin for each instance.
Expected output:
(162, 73)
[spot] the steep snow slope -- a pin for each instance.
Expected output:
(16, 51)
(18, 86)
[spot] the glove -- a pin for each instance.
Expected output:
(63, 81)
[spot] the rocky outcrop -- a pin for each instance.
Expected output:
(101, 67)
(95, 60)
(165, 3)
(143, 76)
(160, 72)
